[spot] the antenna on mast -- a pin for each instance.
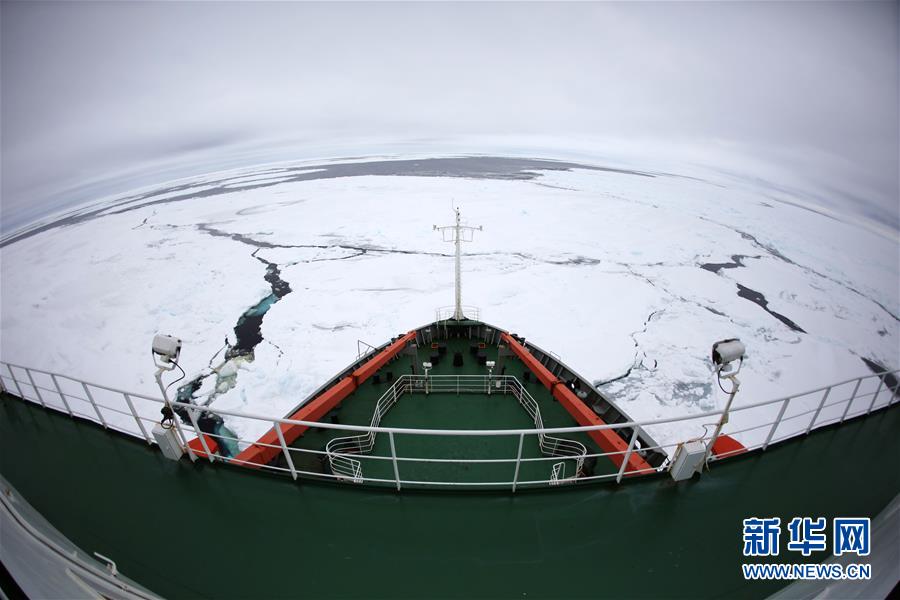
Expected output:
(457, 234)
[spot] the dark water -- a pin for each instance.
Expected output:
(207, 422)
(737, 260)
(760, 300)
(889, 379)
(248, 331)
(248, 335)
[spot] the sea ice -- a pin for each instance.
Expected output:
(603, 268)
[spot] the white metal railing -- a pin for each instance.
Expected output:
(22, 525)
(134, 414)
(447, 312)
(341, 451)
(363, 349)
(557, 473)
(550, 445)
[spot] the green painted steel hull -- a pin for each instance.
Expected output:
(206, 530)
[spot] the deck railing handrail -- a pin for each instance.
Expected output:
(444, 313)
(364, 428)
(341, 450)
(549, 445)
(108, 580)
(734, 408)
(102, 413)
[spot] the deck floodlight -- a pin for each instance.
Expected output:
(166, 350)
(726, 352)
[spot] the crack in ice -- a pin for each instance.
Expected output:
(777, 254)
(635, 363)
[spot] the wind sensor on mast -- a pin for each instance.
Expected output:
(457, 234)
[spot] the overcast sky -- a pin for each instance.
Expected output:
(92, 89)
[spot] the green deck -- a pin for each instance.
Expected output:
(218, 531)
(450, 411)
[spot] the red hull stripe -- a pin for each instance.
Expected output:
(197, 446)
(259, 454)
(726, 446)
(607, 439)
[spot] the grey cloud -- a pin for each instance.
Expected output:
(95, 90)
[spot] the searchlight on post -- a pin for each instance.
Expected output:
(724, 355)
(457, 234)
(691, 456)
(166, 350)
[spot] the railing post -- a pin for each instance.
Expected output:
(776, 423)
(137, 418)
(875, 397)
(183, 438)
(15, 381)
(852, 398)
(90, 398)
(61, 395)
(518, 462)
(815, 416)
(287, 455)
(627, 455)
(394, 459)
(199, 434)
(36, 390)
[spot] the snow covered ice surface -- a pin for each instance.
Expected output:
(629, 276)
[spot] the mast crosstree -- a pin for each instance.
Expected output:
(457, 234)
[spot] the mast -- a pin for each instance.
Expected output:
(457, 234)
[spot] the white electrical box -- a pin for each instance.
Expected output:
(167, 439)
(688, 460)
